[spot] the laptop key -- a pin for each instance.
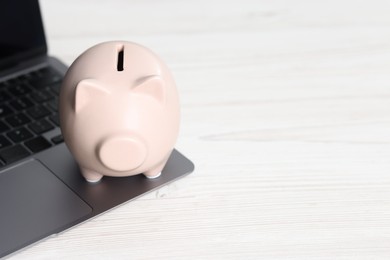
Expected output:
(37, 144)
(53, 105)
(32, 75)
(3, 84)
(55, 119)
(56, 88)
(4, 96)
(14, 153)
(14, 81)
(41, 96)
(21, 103)
(19, 90)
(17, 120)
(5, 110)
(44, 81)
(40, 126)
(38, 112)
(4, 142)
(19, 134)
(57, 139)
(3, 127)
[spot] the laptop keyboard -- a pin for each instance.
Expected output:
(28, 109)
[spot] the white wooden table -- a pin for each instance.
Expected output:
(285, 112)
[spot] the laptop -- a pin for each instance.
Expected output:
(41, 189)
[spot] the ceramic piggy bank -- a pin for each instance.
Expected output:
(119, 111)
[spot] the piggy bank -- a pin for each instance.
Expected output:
(119, 111)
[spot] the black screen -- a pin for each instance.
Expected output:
(21, 30)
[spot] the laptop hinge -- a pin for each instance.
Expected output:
(13, 70)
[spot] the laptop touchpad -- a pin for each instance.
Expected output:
(39, 206)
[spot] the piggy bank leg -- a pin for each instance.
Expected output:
(155, 172)
(91, 176)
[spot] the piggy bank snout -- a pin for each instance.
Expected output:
(122, 153)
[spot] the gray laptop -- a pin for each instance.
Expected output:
(41, 189)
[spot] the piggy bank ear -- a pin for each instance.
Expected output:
(152, 86)
(86, 91)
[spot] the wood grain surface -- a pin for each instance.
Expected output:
(285, 113)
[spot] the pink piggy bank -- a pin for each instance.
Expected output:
(119, 111)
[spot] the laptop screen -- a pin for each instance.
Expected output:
(21, 31)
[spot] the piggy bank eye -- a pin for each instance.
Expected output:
(86, 91)
(152, 86)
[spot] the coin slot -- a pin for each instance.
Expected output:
(120, 62)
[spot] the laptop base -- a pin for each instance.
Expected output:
(47, 202)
